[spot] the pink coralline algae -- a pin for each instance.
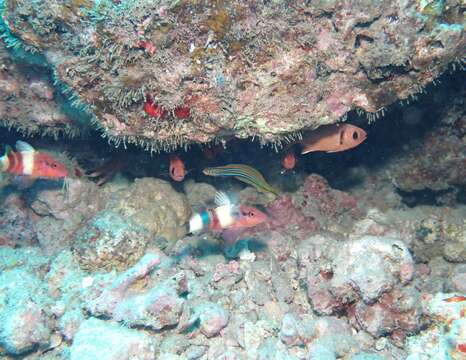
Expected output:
(329, 202)
(223, 271)
(369, 291)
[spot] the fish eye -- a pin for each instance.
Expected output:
(355, 135)
(54, 165)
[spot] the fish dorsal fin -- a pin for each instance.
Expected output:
(24, 147)
(221, 199)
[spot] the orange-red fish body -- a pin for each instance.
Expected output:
(176, 168)
(457, 298)
(333, 138)
(241, 218)
(226, 216)
(29, 162)
(247, 217)
(289, 161)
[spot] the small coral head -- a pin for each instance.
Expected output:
(46, 166)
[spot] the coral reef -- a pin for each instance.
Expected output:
(29, 103)
(109, 241)
(155, 205)
(435, 162)
(167, 73)
(16, 223)
(61, 214)
(353, 261)
(157, 307)
(96, 335)
(24, 323)
(446, 338)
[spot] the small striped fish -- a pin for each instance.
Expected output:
(244, 173)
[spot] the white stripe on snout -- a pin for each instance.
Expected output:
(224, 215)
(195, 223)
(28, 162)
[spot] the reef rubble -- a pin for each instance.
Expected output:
(354, 291)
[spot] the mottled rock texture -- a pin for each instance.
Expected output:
(29, 102)
(155, 205)
(111, 341)
(109, 241)
(166, 73)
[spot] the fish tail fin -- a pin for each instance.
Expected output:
(4, 162)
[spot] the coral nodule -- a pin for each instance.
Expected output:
(166, 73)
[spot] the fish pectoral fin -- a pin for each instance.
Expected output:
(221, 199)
(23, 146)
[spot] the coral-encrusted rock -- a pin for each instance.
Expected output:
(109, 241)
(27, 98)
(16, 225)
(111, 342)
(24, 318)
(24, 326)
(436, 162)
(193, 73)
(458, 278)
(63, 213)
(387, 262)
(397, 313)
(341, 278)
(439, 233)
(327, 205)
(212, 318)
(158, 305)
(199, 194)
(438, 338)
(155, 205)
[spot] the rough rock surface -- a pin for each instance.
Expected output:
(109, 241)
(368, 277)
(167, 73)
(157, 307)
(60, 213)
(25, 322)
(436, 162)
(111, 342)
(155, 205)
(440, 339)
(16, 223)
(29, 103)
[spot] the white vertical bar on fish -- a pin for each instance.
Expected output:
(224, 215)
(28, 162)
(195, 223)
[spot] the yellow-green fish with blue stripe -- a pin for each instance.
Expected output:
(244, 173)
